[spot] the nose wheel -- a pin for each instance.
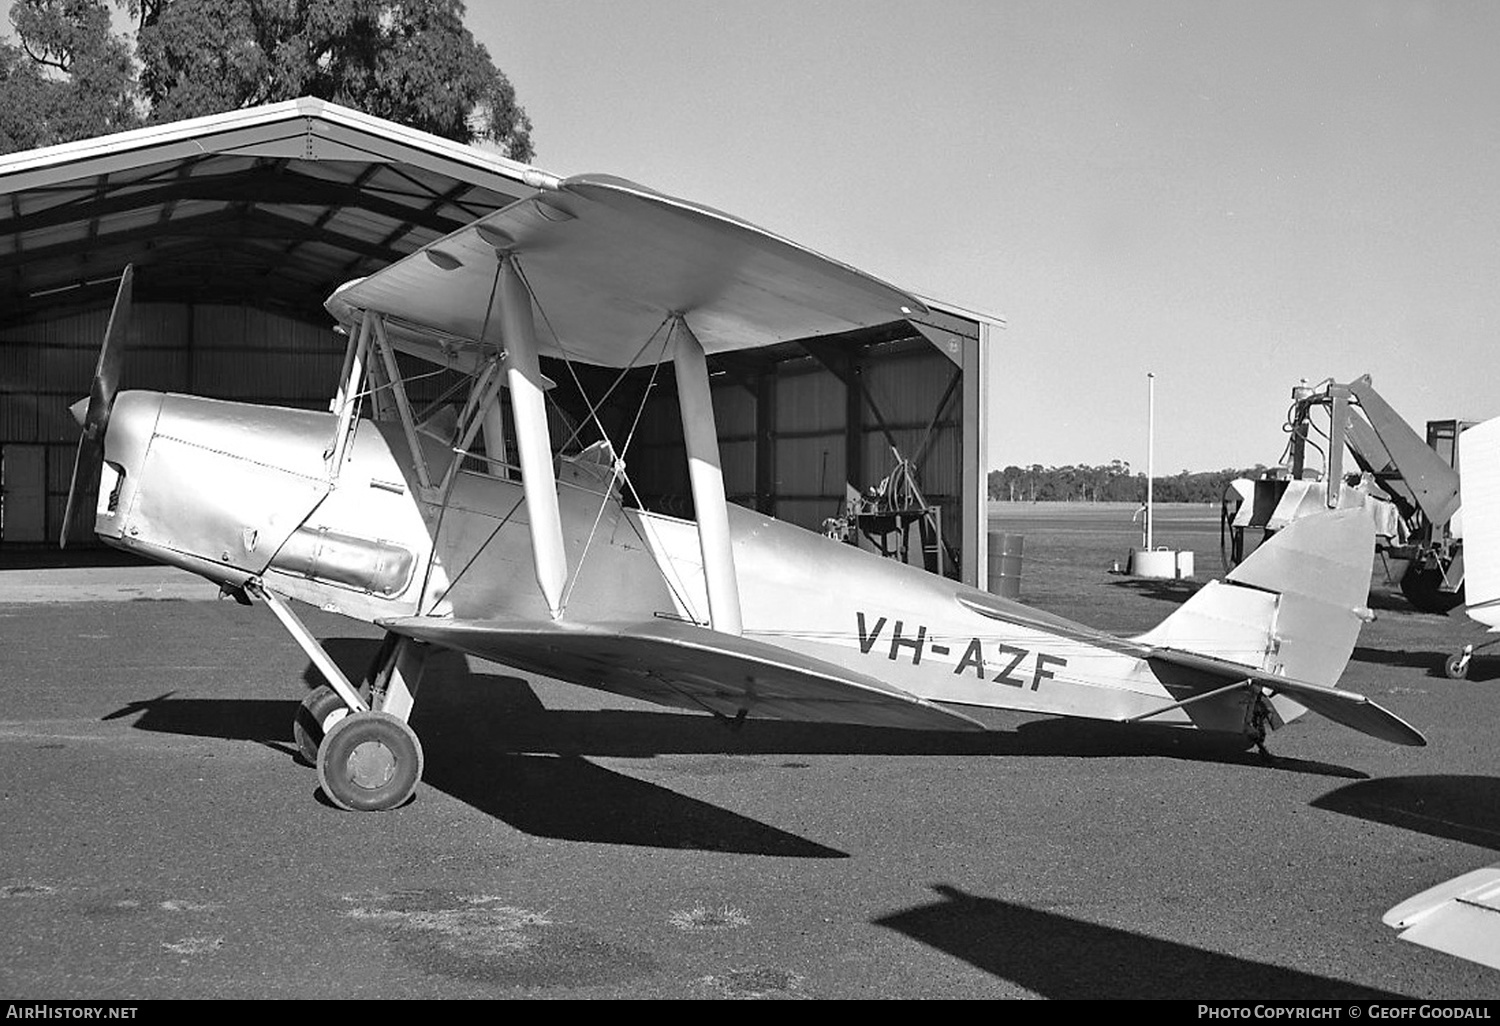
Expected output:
(369, 762)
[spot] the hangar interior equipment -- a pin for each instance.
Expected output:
(239, 225)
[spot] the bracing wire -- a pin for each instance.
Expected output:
(453, 582)
(593, 407)
(618, 471)
(437, 528)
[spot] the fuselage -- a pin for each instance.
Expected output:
(238, 492)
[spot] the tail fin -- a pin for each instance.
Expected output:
(1479, 460)
(1293, 608)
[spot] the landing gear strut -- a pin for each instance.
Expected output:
(371, 761)
(368, 759)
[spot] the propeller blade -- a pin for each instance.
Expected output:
(111, 357)
(83, 492)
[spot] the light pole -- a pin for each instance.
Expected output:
(1150, 450)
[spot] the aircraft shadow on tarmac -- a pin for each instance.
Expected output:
(1060, 957)
(1430, 661)
(1453, 807)
(556, 794)
(490, 742)
(1481, 668)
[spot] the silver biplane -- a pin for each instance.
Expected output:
(422, 527)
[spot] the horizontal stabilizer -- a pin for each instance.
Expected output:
(1460, 917)
(1346, 707)
(689, 667)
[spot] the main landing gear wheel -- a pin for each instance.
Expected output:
(369, 762)
(317, 714)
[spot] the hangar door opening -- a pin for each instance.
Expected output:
(23, 493)
(873, 437)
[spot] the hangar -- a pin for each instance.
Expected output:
(239, 225)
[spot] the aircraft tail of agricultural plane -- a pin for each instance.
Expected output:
(1461, 916)
(1479, 527)
(422, 525)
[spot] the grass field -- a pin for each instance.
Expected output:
(1068, 551)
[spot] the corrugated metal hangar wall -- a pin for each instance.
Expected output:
(232, 309)
(798, 430)
(219, 351)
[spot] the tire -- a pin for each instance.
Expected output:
(311, 722)
(369, 762)
(1422, 588)
(1455, 668)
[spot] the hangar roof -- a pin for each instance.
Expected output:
(270, 207)
(265, 206)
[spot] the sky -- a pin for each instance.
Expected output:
(1230, 196)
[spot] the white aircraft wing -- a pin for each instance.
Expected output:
(608, 261)
(1479, 456)
(1460, 917)
(689, 667)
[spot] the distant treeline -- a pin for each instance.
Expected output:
(1111, 483)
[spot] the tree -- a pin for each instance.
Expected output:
(409, 61)
(22, 90)
(70, 78)
(412, 62)
(1111, 483)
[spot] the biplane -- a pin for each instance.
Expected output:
(549, 564)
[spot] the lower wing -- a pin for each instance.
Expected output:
(681, 665)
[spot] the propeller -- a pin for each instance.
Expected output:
(93, 416)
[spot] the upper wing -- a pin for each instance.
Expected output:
(689, 667)
(607, 262)
(1460, 917)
